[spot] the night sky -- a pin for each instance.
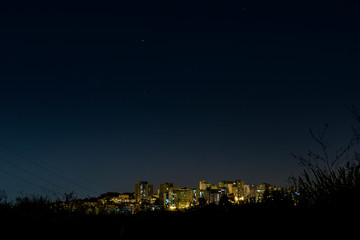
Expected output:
(97, 96)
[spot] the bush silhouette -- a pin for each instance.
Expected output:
(330, 180)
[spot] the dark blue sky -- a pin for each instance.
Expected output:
(97, 96)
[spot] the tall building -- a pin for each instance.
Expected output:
(228, 185)
(204, 185)
(164, 192)
(238, 190)
(143, 191)
(180, 198)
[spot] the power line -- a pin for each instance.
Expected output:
(31, 174)
(60, 156)
(25, 180)
(47, 170)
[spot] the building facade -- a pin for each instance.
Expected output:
(143, 192)
(164, 192)
(203, 185)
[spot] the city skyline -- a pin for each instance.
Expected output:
(97, 96)
(170, 197)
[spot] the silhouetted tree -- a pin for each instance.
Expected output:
(202, 202)
(330, 179)
(5, 207)
(278, 198)
(224, 200)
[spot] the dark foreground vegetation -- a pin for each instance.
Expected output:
(322, 201)
(34, 217)
(331, 175)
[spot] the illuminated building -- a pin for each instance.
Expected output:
(247, 190)
(238, 183)
(226, 184)
(214, 194)
(143, 191)
(237, 189)
(123, 198)
(259, 191)
(196, 195)
(204, 185)
(172, 198)
(180, 198)
(164, 193)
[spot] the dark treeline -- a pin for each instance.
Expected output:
(39, 217)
